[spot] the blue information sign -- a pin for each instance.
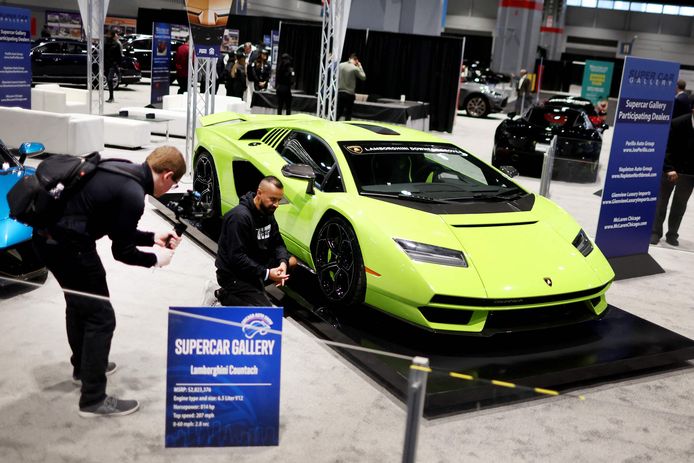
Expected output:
(15, 64)
(633, 174)
(161, 62)
(223, 376)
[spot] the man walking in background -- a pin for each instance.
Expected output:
(678, 176)
(113, 55)
(349, 72)
(522, 92)
(681, 100)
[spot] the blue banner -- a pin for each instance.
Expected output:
(223, 376)
(161, 62)
(15, 64)
(640, 137)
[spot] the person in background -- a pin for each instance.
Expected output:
(284, 79)
(348, 73)
(181, 64)
(251, 251)
(682, 105)
(109, 204)
(677, 179)
(236, 81)
(45, 32)
(522, 92)
(259, 71)
(113, 55)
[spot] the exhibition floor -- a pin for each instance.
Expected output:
(330, 411)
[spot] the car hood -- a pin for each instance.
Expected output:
(509, 254)
(525, 259)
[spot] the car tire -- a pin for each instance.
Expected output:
(339, 263)
(476, 105)
(206, 182)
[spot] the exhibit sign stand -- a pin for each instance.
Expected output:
(223, 376)
(161, 59)
(597, 79)
(632, 181)
(15, 64)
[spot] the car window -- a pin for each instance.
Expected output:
(143, 44)
(306, 148)
(53, 47)
(438, 171)
(75, 49)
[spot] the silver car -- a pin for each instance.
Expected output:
(479, 99)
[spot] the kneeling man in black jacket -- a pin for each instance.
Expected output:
(251, 253)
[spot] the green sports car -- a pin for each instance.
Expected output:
(408, 223)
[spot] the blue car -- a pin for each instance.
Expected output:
(17, 257)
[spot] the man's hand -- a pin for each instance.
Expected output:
(672, 176)
(167, 240)
(278, 274)
(164, 256)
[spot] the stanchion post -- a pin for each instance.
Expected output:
(416, 390)
(548, 167)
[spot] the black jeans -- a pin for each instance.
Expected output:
(284, 99)
(345, 103)
(182, 84)
(90, 322)
(235, 292)
(113, 72)
(683, 190)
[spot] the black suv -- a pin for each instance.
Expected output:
(140, 47)
(65, 60)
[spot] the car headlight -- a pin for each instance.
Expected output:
(582, 243)
(421, 252)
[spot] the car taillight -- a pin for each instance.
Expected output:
(596, 120)
(136, 65)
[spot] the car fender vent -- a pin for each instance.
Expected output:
(254, 134)
(275, 136)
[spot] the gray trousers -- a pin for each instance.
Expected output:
(682, 191)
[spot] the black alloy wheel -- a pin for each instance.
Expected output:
(339, 264)
(477, 106)
(205, 182)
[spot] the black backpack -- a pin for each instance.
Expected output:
(39, 200)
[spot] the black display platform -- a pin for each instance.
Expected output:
(618, 345)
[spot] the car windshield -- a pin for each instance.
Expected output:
(425, 172)
(553, 117)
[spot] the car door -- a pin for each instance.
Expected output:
(45, 59)
(143, 52)
(298, 218)
(74, 61)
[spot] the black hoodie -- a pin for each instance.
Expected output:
(249, 244)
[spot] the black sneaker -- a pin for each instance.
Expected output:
(672, 241)
(110, 369)
(110, 407)
(110, 100)
(655, 239)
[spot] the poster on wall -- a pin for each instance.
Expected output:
(207, 19)
(597, 79)
(161, 63)
(64, 24)
(640, 137)
(223, 376)
(230, 41)
(126, 26)
(15, 64)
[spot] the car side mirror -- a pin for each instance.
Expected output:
(29, 149)
(511, 115)
(301, 171)
(604, 126)
(509, 170)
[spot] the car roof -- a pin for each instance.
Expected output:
(329, 131)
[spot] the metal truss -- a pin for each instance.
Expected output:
(200, 103)
(327, 78)
(95, 55)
